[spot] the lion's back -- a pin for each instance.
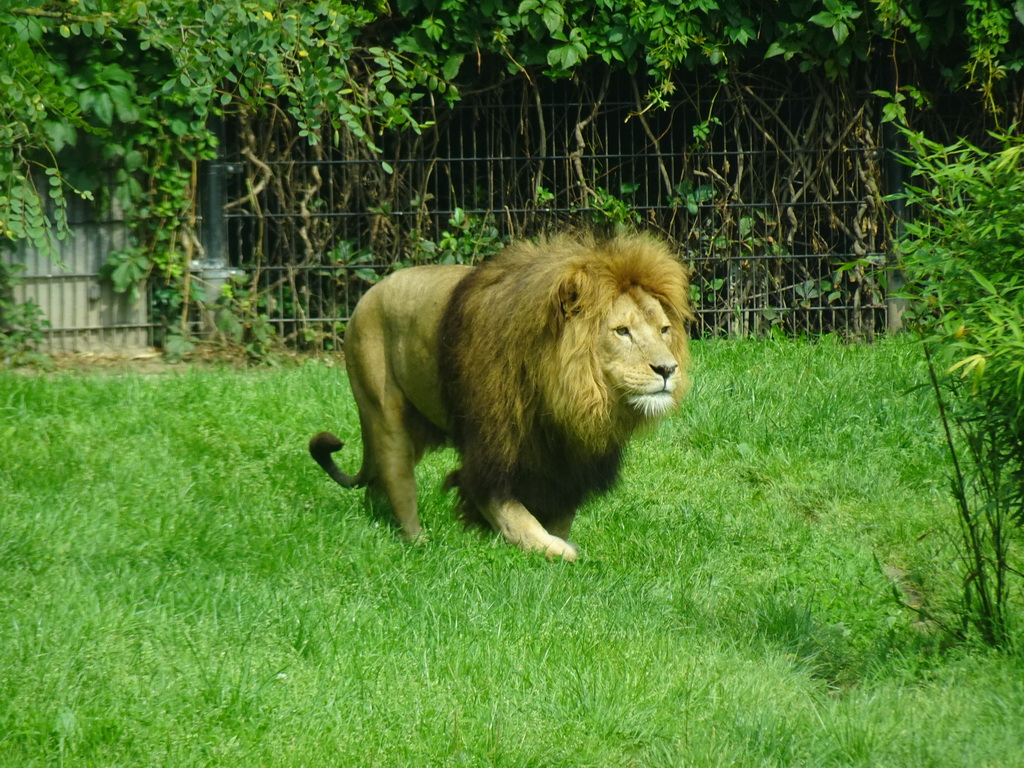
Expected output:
(392, 338)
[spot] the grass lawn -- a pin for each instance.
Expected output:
(181, 585)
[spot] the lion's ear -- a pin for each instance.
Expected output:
(571, 295)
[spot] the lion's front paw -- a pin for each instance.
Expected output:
(560, 548)
(521, 529)
(552, 547)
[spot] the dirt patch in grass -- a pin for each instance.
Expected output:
(154, 361)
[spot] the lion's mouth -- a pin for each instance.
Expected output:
(653, 404)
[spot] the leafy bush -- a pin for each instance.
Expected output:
(115, 97)
(20, 324)
(964, 254)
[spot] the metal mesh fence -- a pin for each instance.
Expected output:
(772, 194)
(82, 311)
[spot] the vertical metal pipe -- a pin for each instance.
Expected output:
(895, 179)
(213, 269)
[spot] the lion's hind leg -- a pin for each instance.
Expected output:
(395, 437)
(521, 529)
(394, 476)
(397, 440)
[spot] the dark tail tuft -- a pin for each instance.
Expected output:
(321, 446)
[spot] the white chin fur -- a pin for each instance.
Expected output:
(654, 404)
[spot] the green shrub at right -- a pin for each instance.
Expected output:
(964, 256)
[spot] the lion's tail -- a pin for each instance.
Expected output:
(321, 446)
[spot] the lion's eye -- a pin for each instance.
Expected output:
(622, 331)
(665, 331)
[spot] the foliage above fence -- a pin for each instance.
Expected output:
(149, 73)
(134, 83)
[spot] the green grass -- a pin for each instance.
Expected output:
(180, 585)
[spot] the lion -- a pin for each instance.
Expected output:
(538, 365)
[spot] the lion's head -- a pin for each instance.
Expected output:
(633, 348)
(585, 335)
(620, 351)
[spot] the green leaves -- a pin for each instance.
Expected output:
(434, 28)
(567, 56)
(965, 254)
(22, 330)
(126, 270)
(551, 12)
(837, 16)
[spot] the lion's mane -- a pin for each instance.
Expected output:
(532, 416)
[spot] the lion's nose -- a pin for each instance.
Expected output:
(665, 371)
